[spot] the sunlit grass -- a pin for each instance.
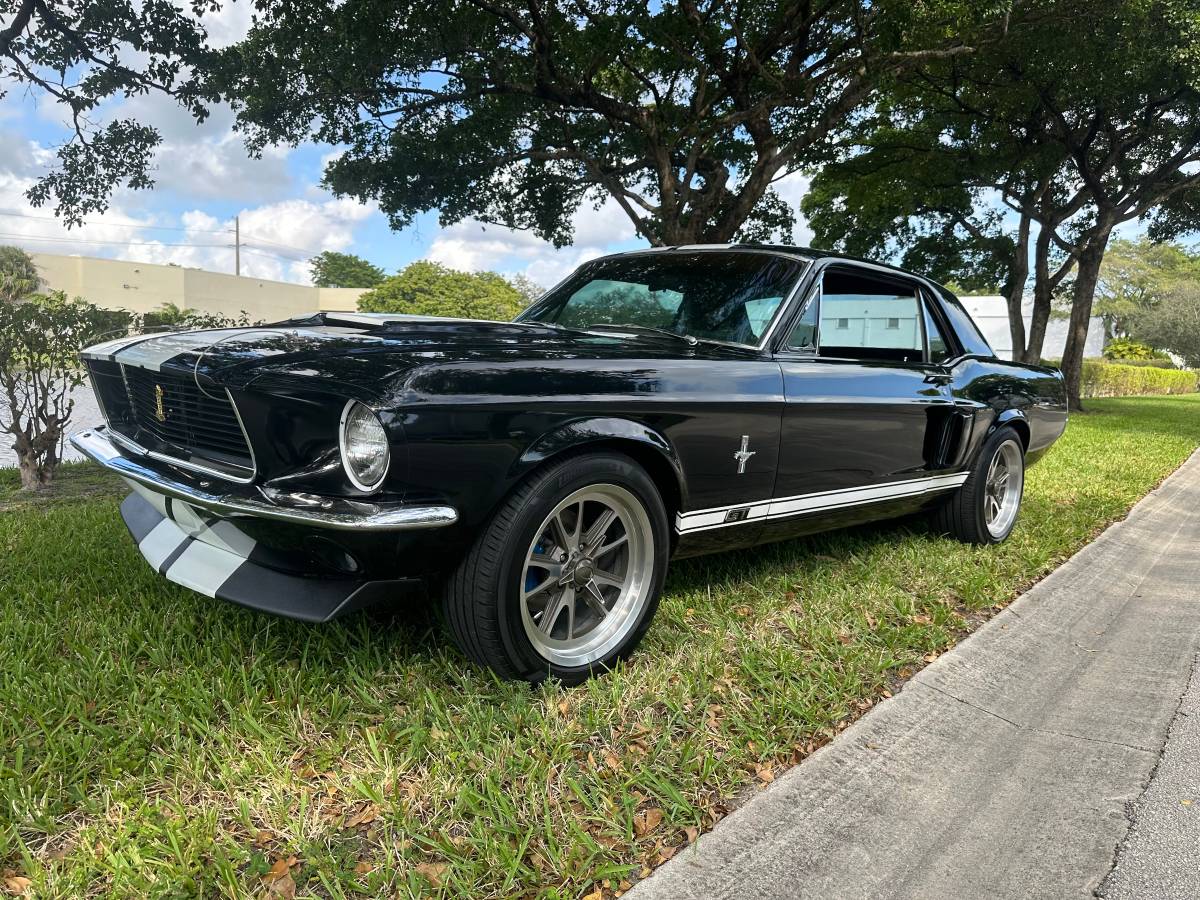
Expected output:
(154, 742)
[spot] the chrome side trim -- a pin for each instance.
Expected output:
(820, 501)
(319, 512)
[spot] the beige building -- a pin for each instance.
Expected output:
(143, 287)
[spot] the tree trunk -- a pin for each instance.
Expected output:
(1015, 289)
(1043, 294)
(1086, 277)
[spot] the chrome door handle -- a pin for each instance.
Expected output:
(939, 378)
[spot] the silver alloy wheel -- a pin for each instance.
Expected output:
(1002, 488)
(587, 575)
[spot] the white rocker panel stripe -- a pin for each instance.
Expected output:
(705, 519)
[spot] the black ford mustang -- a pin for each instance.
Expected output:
(539, 474)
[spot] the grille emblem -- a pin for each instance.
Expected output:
(159, 412)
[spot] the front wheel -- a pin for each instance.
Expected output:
(566, 577)
(984, 510)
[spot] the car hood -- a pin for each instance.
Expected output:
(356, 346)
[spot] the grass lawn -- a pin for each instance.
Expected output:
(154, 742)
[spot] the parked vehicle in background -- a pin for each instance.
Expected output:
(538, 475)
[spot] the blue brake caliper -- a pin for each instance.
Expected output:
(531, 578)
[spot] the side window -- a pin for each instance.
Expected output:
(863, 317)
(939, 351)
(804, 335)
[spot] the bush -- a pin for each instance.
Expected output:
(1127, 348)
(40, 340)
(1104, 379)
(430, 289)
(1152, 363)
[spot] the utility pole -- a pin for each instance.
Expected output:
(237, 245)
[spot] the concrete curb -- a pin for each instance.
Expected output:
(1005, 767)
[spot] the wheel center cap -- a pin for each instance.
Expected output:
(583, 572)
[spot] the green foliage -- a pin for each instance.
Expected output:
(40, 342)
(344, 270)
(518, 114)
(1136, 275)
(167, 315)
(430, 289)
(87, 55)
(529, 289)
(1105, 379)
(18, 275)
(1174, 323)
(1165, 363)
(1128, 348)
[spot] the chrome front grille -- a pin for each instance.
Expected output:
(168, 415)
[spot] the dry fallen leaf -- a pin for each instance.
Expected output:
(692, 833)
(564, 707)
(363, 867)
(283, 888)
(16, 884)
(597, 894)
(278, 869)
(766, 774)
(431, 872)
(646, 822)
(263, 838)
(611, 760)
(666, 853)
(368, 813)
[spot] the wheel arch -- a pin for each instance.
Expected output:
(648, 447)
(1017, 421)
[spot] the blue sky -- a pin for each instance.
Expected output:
(205, 178)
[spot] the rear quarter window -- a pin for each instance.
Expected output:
(969, 336)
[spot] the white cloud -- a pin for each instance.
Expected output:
(791, 189)
(472, 246)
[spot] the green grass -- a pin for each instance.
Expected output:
(154, 742)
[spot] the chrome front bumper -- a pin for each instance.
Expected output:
(302, 509)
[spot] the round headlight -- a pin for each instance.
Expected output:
(364, 447)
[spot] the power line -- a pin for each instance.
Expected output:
(61, 240)
(21, 215)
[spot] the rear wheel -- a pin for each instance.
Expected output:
(566, 577)
(984, 510)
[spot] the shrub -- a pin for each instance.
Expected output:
(1104, 379)
(1127, 348)
(1152, 363)
(430, 289)
(40, 342)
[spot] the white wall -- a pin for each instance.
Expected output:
(143, 287)
(991, 315)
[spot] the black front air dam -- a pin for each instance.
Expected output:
(214, 571)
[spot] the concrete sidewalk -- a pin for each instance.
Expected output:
(1012, 766)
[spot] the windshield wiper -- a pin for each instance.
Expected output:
(615, 326)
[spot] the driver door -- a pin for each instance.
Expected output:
(866, 403)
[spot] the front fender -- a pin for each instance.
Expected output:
(639, 438)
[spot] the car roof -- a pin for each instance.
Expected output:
(806, 253)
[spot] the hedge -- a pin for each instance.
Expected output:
(1105, 379)
(1152, 363)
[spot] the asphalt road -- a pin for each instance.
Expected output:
(1025, 763)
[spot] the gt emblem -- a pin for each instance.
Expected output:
(159, 412)
(743, 455)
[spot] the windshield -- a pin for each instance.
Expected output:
(731, 297)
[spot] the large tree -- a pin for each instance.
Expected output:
(83, 55)
(345, 270)
(1065, 138)
(685, 113)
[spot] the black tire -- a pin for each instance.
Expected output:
(482, 599)
(965, 515)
